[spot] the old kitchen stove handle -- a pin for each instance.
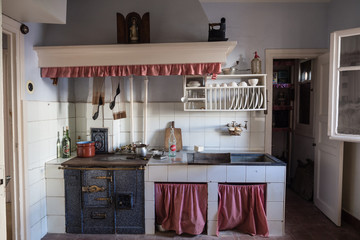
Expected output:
(93, 189)
(98, 215)
(104, 177)
(109, 199)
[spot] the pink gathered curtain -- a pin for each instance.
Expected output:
(242, 207)
(181, 207)
(127, 70)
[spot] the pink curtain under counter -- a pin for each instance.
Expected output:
(181, 207)
(242, 207)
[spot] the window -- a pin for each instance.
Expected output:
(344, 115)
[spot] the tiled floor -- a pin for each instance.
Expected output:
(303, 222)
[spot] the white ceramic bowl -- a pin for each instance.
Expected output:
(243, 84)
(216, 85)
(253, 81)
(223, 85)
(233, 84)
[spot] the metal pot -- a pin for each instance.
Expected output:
(141, 150)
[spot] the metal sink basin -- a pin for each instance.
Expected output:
(232, 159)
(208, 158)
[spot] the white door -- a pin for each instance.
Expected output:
(328, 153)
(2, 157)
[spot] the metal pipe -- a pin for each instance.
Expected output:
(146, 83)
(131, 109)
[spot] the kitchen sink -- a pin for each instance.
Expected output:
(232, 159)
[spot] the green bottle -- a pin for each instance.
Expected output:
(66, 144)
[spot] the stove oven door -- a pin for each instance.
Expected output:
(97, 201)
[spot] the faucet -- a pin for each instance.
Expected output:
(236, 128)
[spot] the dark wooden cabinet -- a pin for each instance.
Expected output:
(104, 201)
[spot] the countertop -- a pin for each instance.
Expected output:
(127, 160)
(105, 160)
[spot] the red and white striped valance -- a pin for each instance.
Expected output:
(136, 70)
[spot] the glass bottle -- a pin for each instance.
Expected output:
(65, 145)
(68, 136)
(58, 146)
(256, 64)
(172, 144)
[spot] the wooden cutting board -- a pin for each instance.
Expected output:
(177, 132)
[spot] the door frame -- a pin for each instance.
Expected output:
(19, 174)
(270, 55)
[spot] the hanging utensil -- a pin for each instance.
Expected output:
(112, 104)
(96, 114)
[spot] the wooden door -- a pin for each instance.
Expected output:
(328, 153)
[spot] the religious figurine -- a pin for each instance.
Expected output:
(134, 34)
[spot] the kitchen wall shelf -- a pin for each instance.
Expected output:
(206, 94)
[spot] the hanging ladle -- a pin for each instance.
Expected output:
(96, 115)
(112, 104)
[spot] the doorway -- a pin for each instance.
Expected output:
(12, 118)
(292, 126)
(289, 130)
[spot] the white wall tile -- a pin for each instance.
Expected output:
(276, 228)
(212, 227)
(149, 191)
(275, 192)
(275, 211)
(258, 124)
(243, 141)
(36, 175)
(80, 109)
(197, 173)
(183, 123)
(108, 113)
(35, 231)
(212, 139)
(149, 209)
(36, 192)
(125, 124)
(109, 125)
(55, 188)
(177, 173)
(255, 174)
(138, 124)
(212, 124)
(146, 174)
(197, 124)
(55, 206)
(150, 226)
(56, 224)
(153, 123)
(275, 173)
(167, 109)
(235, 173)
(185, 138)
(257, 140)
(216, 173)
(158, 173)
(196, 138)
(179, 110)
(212, 210)
(35, 213)
(227, 142)
(213, 192)
(153, 109)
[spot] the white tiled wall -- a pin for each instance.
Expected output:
(42, 122)
(198, 128)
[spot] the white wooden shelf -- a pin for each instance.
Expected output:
(208, 97)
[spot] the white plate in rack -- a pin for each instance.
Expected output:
(261, 100)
